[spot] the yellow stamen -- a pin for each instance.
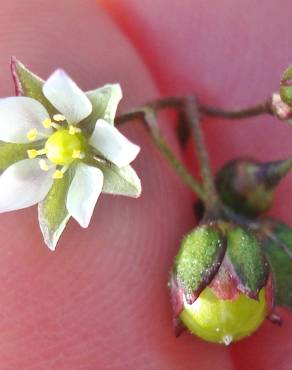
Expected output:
(47, 123)
(73, 130)
(59, 117)
(32, 134)
(33, 153)
(77, 154)
(58, 174)
(43, 165)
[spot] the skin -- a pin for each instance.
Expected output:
(100, 301)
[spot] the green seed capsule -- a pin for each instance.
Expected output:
(219, 281)
(224, 321)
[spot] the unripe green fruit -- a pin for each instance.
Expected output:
(224, 321)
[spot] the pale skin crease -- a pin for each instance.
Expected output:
(219, 52)
(100, 301)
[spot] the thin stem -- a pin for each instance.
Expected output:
(148, 117)
(191, 112)
(130, 116)
(253, 111)
(177, 102)
(151, 122)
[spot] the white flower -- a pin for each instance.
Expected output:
(59, 148)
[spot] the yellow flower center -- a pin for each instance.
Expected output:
(62, 147)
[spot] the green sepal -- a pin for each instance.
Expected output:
(11, 153)
(287, 75)
(104, 102)
(246, 259)
(277, 243)
(199, 259)
(30, 85)
(52, 211)
(286, 94)
(120, 181)
(286, 86)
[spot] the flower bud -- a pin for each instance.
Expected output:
(286, 86)
(247, 186)
(218, 283)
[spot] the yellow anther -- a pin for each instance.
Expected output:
(58, 174)
(32, 153)
(43, 165)
(32, 134)
(47, 123)
(59, 117)
(73, 130)
(77, 154)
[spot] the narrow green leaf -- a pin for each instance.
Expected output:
(120, 181)
(199, 259)
(245, 254)
(53, 214)
(278, 248)
(104, 102)
(29, 84)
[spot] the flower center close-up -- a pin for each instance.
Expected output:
(61, 148)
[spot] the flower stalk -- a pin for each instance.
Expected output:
(192, 112)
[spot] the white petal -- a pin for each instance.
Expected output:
(23, 184)
(84, 192)
(19, 115)
(67, 97)
(112, 144)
